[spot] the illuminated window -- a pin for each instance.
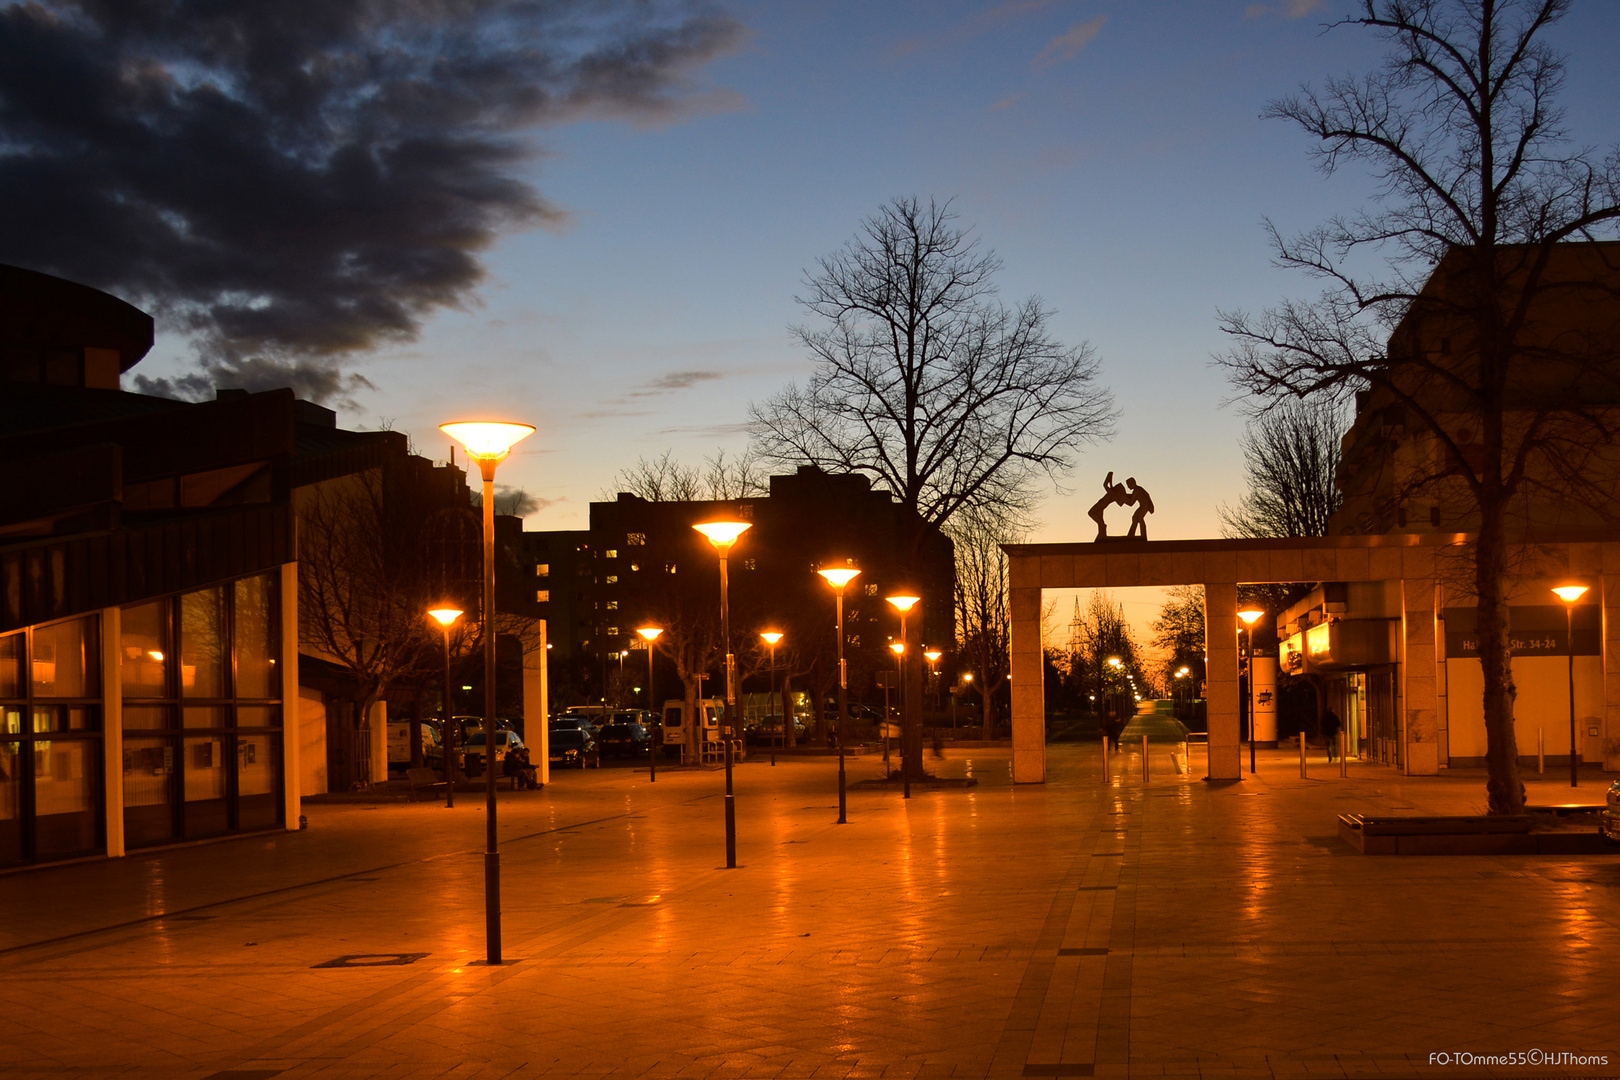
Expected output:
(613, 605)
(635, 539)
(871, 590)
(542, 570)
(611, 579)
(635, 566)
(854, 641)
(748, 564)
(669, 568)
(543, 596)
(613, 631)
(611, 553)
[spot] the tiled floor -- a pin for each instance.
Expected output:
(1078, 928)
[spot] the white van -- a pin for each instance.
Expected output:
(675, 730)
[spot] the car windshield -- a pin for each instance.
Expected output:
(568, 737)
(503, 738)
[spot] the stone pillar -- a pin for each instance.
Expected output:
(112, 728)
(1609, 590)
(291, 706)
(537, 708)
(1221, 679)
(1265, 701)
(1420, 677)
(1028, 688)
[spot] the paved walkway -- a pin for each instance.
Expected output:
(1085, 927)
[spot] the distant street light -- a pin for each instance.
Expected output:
(446, 617)
(771, 637)
(655, 737)
(838, 577)
(488, 443)
(903, 604)
(1569, 594)
(1250, 616)
(722, 534)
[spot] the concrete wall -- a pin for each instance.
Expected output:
(1543, 703)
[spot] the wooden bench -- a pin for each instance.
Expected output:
(425, 780)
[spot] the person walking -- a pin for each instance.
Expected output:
(1330, 732)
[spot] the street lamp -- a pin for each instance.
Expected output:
(899, 650)
(1250, 616)
(904, 604)
(932, 656)
(838, 577)
(488, 443)
(655, 738)
(722, 534)
(446, 618)
(1569, 594)
(771, 637)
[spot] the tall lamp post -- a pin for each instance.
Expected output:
(903, 604)
(838, 577)
(488, 443)
(1569, 594)
(649, 634)
(722, 534)
(446, 618)
(771, 637)
(1250, 616)
(932, 656)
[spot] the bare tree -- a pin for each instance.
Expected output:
(929, 385)
(983, 620)
(663, 479)
(1478, 188)
(1179, 632)
(1291, 462)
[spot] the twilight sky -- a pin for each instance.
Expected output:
(1109, 150)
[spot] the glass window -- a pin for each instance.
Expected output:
(143, 649)
(11, 658)
(542, 570)
(64, 660)
(148, 791)
(542, 596)
(205, 716)
(147, 717)
(65, 788)
(204, 771)
(11, 837)
(11, 720)
(258, 716)
(202, 643)
(258, 773)
(255, 643)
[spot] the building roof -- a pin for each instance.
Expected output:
(41, 311)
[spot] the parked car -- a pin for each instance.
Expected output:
(622, 737)
(574, 746)
(506, 742)
(1609, 817)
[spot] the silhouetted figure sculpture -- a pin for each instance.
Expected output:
(1113, 494)
(1144, 506)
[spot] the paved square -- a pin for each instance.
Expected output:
(1084, 927)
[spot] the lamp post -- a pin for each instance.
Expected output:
(446, 618)
(838, 577)
(932, 656)
(1250, 616)
(1569, 594)
(655, 738)
(722, 534)
(488, 443)
(899, 650)
(771, 637)
(903, 604)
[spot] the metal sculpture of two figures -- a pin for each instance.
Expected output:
(1126, 494)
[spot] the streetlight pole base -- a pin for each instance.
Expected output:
(731, 832)
(842, 817)
(492, 906)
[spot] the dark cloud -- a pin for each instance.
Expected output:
(294, 180)
(676, 380)
(310, 379)
(514, 501)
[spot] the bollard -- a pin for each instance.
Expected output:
(1541, 751)
(1302, 775)
(1144, 760)
(1344, 749)
(1186, 758)
(1105, 759)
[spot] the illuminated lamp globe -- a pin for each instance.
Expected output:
(487, 440)
(649, 633)
(446, 615)
(722, 534)
(898, 647)
(1250, 616)
(1570, 593)
(771, 636)
(904, 604)
(933, 655)
(839, 576)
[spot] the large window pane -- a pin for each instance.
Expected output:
(258, 781)
(206, 716)
(11, 659)
(148, 717)
(202, 643)
(11, 851)
(258, 716)
(64, 660)
(204, 771)
(144, 649)
(65, 787)
(11, 720)
(148, 791)
(255, 648)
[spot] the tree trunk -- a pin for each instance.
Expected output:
(790, 736)
(1504, 790)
